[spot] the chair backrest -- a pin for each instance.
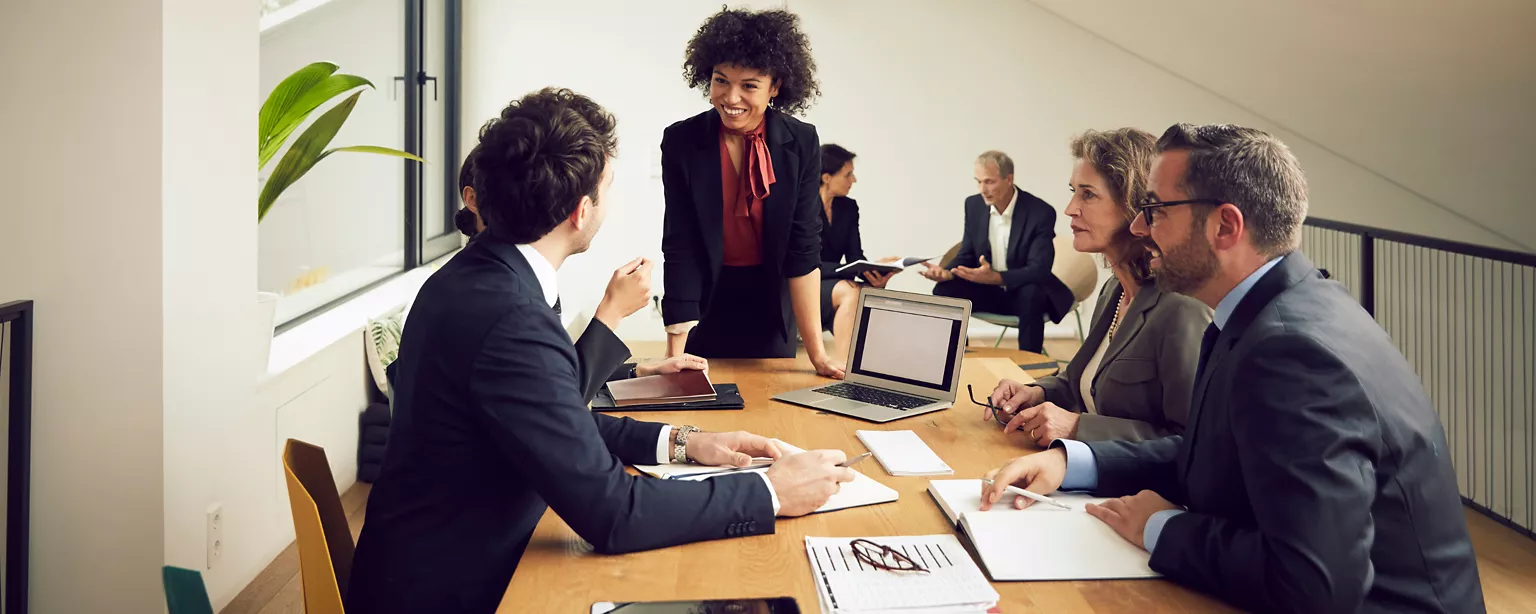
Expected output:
(320, 523)
(949, 256)
(1076, 270)
(185, 592)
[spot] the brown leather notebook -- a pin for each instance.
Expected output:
(680, 387)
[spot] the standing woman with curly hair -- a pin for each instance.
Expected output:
(741, 240)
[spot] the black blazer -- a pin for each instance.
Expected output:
(693, 240)
(1314, 467)
(489, 428)
(840, 243)
(1030, 249)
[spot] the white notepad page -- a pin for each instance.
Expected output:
(1041, 542)
(953, 583)
(1044, 543)
(957, 497)
(903, 453)
(863, 490)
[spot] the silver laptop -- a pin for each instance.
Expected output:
(904, 359)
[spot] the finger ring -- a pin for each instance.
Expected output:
(1032, 434)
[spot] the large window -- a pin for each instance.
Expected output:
(356, 220)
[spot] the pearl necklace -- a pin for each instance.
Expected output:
(1114, 324)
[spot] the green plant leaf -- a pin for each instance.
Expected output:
(305, 152)
(285, 96)
(311, 99)
(309, 149)
(383, 151)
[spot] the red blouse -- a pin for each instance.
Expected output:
(742, 196)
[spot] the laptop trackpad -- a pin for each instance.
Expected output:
(841, 405)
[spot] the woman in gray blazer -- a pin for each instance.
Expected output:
(1131, 379)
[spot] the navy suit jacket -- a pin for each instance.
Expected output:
(1031, 248)
(1314, 467)
(490, 426)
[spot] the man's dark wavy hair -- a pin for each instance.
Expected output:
(538, 159)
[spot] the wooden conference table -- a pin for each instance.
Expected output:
(559, 573)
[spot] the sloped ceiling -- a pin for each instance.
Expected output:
(1437, 96)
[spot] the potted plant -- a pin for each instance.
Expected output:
(286, 108)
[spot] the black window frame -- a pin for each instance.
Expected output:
(417, 84)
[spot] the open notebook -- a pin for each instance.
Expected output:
(1041, 542)
(861, 491)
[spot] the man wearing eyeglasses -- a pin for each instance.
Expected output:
(1313, 475)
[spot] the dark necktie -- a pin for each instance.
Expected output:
(557, 306)
(1207, 343)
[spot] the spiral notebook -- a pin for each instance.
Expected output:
(951, 584)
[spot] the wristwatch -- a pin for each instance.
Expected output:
(680, 442)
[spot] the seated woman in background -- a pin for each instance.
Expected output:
(1132, 378)
(840, 244)
(599, 351)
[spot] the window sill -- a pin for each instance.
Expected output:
(295, 345)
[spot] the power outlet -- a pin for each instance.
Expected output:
(215, 535)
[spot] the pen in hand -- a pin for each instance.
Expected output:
(1030, 494)
(759, 462)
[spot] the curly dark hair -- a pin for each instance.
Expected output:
(769, 41)
(535, 162)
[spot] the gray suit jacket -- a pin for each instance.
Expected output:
(1142, 387)
(1314, 467)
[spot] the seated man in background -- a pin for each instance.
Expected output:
(1005, 257)
(489, 426)
(1313, 475)
(601, 354)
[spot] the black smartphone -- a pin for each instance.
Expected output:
(772, 605)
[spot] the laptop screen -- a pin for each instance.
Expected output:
(908, 342)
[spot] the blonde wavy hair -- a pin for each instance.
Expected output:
(1123, 157)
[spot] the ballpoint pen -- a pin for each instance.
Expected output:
(1032, 495)
(757, 463)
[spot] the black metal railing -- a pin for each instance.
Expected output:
(1464, 317)
(16, 354)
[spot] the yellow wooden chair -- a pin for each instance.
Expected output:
(320, 523)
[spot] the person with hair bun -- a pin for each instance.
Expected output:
(741, 239)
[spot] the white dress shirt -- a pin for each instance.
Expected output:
(1001, 226)
(549, 280)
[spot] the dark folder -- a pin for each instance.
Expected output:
(726, 397)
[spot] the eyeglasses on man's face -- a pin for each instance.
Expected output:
(1146, 207)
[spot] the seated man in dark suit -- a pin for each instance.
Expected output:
(599, 352)
(1005, 257)
(490, 426)
(1313, 474)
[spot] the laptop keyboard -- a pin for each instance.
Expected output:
(874, 396)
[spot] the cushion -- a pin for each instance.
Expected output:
(381, 340)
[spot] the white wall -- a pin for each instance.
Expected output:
(215, 451)
(1434, 96)
(916, 88)
(80, 233)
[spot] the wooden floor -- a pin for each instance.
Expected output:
(1506, 560)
